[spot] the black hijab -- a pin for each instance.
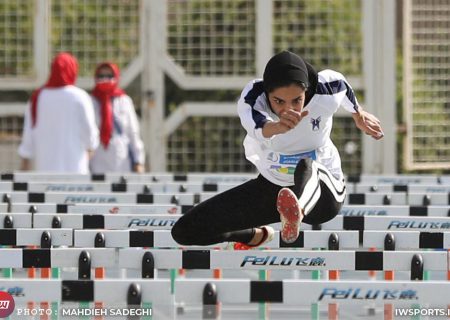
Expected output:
(285, 68)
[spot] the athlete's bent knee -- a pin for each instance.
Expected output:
(304, 164)
(180, 234)
(303, 170)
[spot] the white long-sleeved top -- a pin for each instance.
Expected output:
(125, 147)
(277, 157)
(65, 130)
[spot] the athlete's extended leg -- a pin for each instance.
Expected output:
(329, 203)
(316, 197)
(230, 216)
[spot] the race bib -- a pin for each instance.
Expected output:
(286, 163)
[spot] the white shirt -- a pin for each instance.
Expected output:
(277, 157)
(65, 130)
(125, 147)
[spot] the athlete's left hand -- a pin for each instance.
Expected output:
(368, 123)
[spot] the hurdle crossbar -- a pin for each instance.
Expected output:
(390, 210)
(163, 238)
(283, 259)
(305, 292)
(106, 290)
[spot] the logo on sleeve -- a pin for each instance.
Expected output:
(316, 123)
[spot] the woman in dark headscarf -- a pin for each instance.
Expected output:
(288, 118)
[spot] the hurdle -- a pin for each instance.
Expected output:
(414, 226)
(15, 220)
(92, 197)
(136, 187)
(392, 210)
(105, 221)
(98, 208)
(134, 259)
(6, 186)
(194, 187)
(127, 177)
(148, 229)
(35, 237)
(387, 223)
(117, 208)
(304, 292)
(398, 198)
(191, 258)
(206, 183)
(402, 179)
(389, 188)
(406, 239)
(118, 294)
(371, 223)
(163, 239)
(139, 209)
(58, 258)
(345, 260)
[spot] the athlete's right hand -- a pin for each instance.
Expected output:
(288, 120)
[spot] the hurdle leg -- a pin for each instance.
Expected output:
(173, 276)
(7, 273)
(147, 305)
(56, 274)
(84, 305)
(315, 312)
(217, 274)
(389, 307)
(389, 245)
(417, 274)
(333, 309)
(372, 276)
(99, 274)
(262, 306)
(333, 244)
(31, 275)
(426, 277)
(45, 274)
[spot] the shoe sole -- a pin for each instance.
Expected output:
(290, 215)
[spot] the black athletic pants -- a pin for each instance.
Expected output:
(232, 215)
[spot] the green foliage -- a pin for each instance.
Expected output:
(212, 37)
(95, 31)
(326, 33)
(16, 32)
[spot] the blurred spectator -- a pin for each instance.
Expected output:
(59, 132)
(121, 148)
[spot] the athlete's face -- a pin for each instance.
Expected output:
(289, 97)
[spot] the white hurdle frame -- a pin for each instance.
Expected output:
(305, 292)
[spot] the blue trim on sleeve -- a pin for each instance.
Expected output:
(336, 87)
(250, 99)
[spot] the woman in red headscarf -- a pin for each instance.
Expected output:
(59, 132)
(121, 149)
